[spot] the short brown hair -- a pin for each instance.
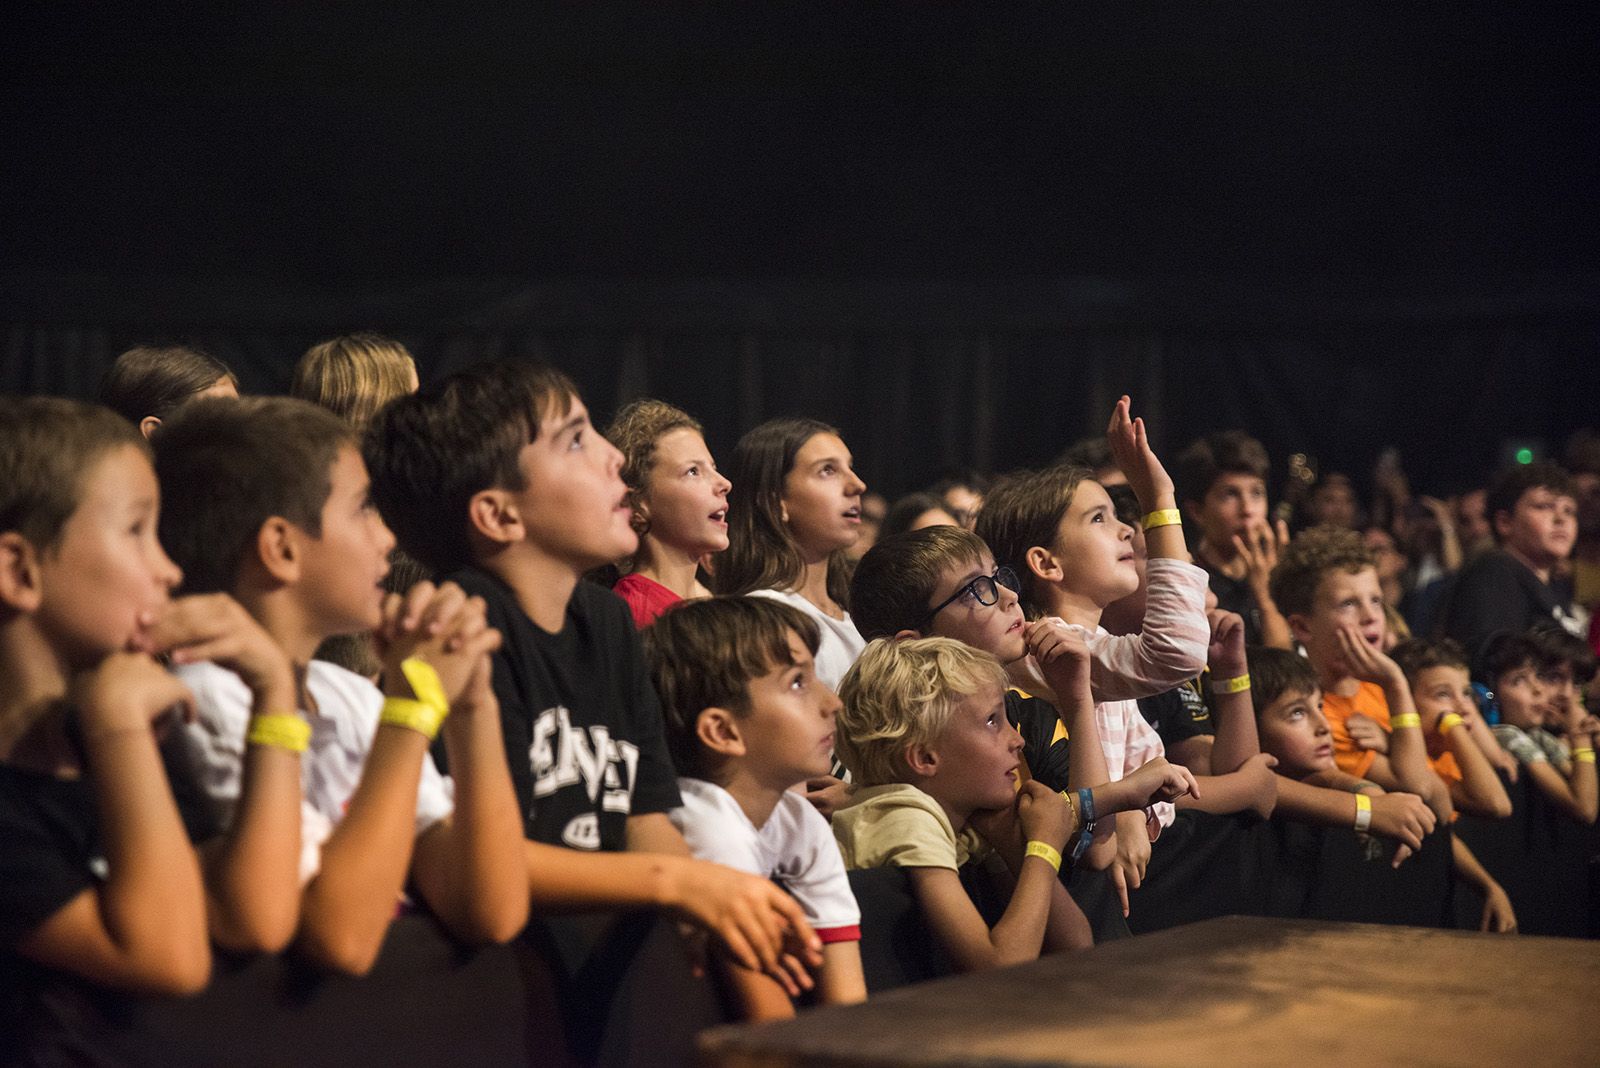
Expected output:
(1275, 672)
(156, 379)
(1227, 452)
(354, 375)
(1311, 555)
(1023, 510)
(895, 581)
(901, 693)
(1510, 484)
(703, 654)
(227, 465)
(48, 445)
(1419, 654)
(430, 452)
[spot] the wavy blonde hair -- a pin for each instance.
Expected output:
(902, 693)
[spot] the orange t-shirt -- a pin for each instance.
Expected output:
(1370, 702)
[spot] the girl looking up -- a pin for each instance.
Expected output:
(794, 510)
(680, 506)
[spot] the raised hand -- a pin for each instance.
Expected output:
(215, 627)
(1259, 548)
(1363, 661)
(1130, 448)
(1225, 652)
(441, 625)
(1061, 653)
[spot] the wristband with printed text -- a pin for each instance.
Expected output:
(1237, 684)
(1162, 517)
(1045, 851)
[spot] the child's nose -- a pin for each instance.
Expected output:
(856, 485)
(723, 486)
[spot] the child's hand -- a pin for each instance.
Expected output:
(1130, 447)
(1156, 781)
(755, 921)
(1225, 654)
(1001, 827)
(1259, 548)
(1406, 818)
(1503, 761)
(1131, 862)
(1364, 662)
(450, 632)
(1044, 815)
(1062, 656)
(126, 692)
(1498, 915)
(1366, 733)
(1586, 728)
(215, 627)
(828, 794)
(1258, 772)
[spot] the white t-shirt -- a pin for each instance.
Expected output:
(841, 642)
(795, 847)
(342, 730)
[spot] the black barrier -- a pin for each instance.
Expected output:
(1544, 859)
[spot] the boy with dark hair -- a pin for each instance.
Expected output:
(1312, 789)
(1532, 509)
(1515, 668)
(1222, 482)
(270, 503)
(1327, 585)
(496, 476)
(747, 721)
(1441, 688)
(97, 876)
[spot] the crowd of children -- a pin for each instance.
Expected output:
(276, 669)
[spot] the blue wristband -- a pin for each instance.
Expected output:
(1086, 806)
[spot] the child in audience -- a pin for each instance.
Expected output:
(680, 506)
(1223, 481)
(1532, 510)
(1441, 689)
(97, 876)
(795, 507)
(1058, 531)
(270, 502)
(353, 376)
(1314, 790)
(150, 382)
(747, 720)
(915, 511)
(1564, 771)
(1327, 586)
(497, 476)
(936, 763)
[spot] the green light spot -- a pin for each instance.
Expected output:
(1524, 456)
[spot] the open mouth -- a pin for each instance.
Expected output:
(720, 516)
(853, 514)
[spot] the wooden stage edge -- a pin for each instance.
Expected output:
(1231, 991)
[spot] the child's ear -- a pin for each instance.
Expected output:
(1501, 521)
(1043, 563)
(907, 635)
(149, 425)
(1298, 627)
(493, 514)
(718, 730)
(921, 760)
(21, 583)
(278, 549)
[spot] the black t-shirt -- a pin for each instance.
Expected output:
(49, 848)
(1494, 592)
(1178, 714)
(583, 728)
(1235, 595)
(1045, 751)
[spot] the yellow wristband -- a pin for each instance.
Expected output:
(1403, 720)
(1363, 812)
(1050, 854)
(1237, 684)
(1162, 517)
(280, 730)
(1584, 755)
(412, 715)
(1449, 722)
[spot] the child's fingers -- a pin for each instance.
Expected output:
(1120, 881)
(440, 615)
(798, 973)
(1401, 852)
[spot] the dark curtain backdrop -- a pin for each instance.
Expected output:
(927, 376)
